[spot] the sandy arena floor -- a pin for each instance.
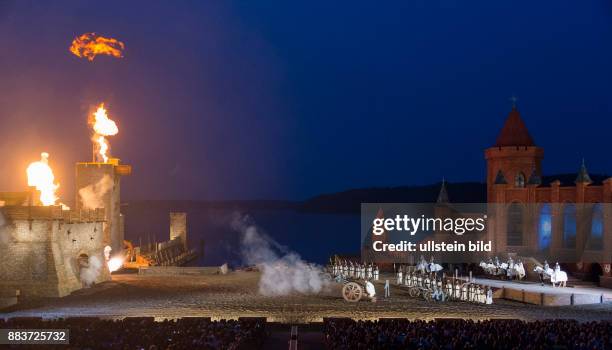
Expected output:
(235, 295)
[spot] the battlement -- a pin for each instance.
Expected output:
(52, 212)
(120, 169)
(513, 151)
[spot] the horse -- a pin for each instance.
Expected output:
(554, 276)
(487, 267)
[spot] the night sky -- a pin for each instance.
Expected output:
(285, 100)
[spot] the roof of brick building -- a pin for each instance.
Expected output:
(514, 132)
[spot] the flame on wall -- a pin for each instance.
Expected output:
(40, 175)
(90, 45)
(103, 126)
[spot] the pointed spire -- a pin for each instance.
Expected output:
(514, 132)
(583, 175)
(443, 195)
(500, 179)
(534, 178)
(513, 99)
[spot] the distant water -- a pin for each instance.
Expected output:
(313, 236)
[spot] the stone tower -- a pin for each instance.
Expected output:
(178, 227)
(91, 175)
(514, 160)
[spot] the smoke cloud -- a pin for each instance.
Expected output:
(92, 196)
(282, 272)
(90, 273)
(4, 230)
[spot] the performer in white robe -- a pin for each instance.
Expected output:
(399, 276)
(464, 293)
(387, 289)
(369, 287)
(489, 296)
(449, 289)
(376, 273)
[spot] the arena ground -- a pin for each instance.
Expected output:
(236, 295)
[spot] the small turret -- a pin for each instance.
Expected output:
(443, 195)
(583, 175)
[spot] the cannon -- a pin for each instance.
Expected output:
(417, 291)
(352, 292)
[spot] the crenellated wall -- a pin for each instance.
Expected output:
(41, 250)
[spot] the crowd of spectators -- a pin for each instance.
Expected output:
(467, 334)
(147, 334)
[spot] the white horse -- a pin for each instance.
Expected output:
(433, 267)
(422, 266)
(425, 267)
(516, 270)
(488, 267)
(554, 276)
(495, 270)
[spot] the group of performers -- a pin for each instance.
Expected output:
(350, 269)
(443, 289)
(509, 269)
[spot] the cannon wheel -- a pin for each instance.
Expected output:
(352, 292)
(414, 292)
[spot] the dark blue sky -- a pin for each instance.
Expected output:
(279, 99)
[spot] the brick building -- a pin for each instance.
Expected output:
(565, 220)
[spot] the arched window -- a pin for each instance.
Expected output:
(569, 225)
(545, 227)
(596, 237)
(514, 232)
(519, 180)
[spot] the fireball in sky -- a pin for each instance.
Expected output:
(41, 176)
(89, 45)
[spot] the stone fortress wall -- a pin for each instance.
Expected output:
(43, 249)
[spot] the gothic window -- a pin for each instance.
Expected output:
(596, 237)
(545, 227)
(569, 225)
(514, 232)
(519, 180)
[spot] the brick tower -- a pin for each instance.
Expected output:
(514, 159)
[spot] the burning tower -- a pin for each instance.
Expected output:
(102, 179)
(98, 182)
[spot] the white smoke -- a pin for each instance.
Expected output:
(107, 251)
(282, 272)
(92, 195)
(5, 234)
(90, 273)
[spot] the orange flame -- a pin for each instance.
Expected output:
(103, 126)
(41, 176)
(115, 263)
(90, 45)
